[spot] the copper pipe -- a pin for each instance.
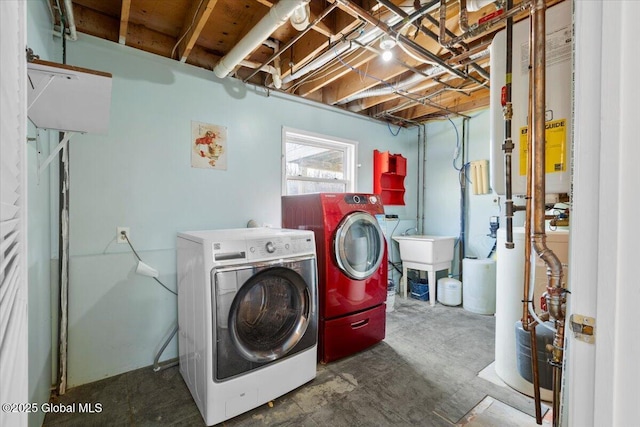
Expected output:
(535, 374)
(443, 23)
(486, 26)
(555, 298)
(464, 19)
(527, 323)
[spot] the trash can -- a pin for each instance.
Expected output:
(479, 285)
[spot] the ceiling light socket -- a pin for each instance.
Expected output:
(387, 43)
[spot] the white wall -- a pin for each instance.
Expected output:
(139, 176)
(602, 378)
(41, 348)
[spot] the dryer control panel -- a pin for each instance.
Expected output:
(361, 199)
(265, 248)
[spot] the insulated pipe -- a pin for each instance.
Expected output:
(555, 299)
(277, 16)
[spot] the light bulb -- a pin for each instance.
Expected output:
(387, 55)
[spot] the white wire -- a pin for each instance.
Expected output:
(188, 29)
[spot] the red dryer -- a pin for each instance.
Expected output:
(352, 267)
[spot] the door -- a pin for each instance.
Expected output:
(262, 314)
(359, 245)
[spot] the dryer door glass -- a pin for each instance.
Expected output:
(269, 314)
(359, 245)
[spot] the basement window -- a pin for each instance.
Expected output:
(313, 163)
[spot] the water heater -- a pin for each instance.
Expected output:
(558, 105)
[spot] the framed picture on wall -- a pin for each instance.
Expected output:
(208, 146)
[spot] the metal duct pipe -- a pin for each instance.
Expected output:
(277, 16)
(556, 294)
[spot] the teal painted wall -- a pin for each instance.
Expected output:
(442, 200)
(139, 176)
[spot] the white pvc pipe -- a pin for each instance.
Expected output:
(68, 7)
(277, 16)
(275, 73)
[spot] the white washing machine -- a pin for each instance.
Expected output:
(247, 315)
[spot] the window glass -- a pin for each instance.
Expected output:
(315, 163)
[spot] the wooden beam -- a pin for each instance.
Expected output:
(313, 44)
(124, 21)
(193, 25)
(455, 103)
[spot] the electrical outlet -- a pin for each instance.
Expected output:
(119, 237)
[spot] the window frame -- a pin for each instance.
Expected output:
(348, 147)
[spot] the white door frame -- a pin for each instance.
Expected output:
(602, 380)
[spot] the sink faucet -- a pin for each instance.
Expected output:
(406, 232)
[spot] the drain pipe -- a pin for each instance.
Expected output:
(295, 39)
(556, 295)
(275, 72)
(277, 16)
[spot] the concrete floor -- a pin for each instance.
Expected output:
(425, 373)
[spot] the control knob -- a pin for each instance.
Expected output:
(270, 247)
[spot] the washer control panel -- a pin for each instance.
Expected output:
(275, 247)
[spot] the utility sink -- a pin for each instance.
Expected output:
(425, 253)
(425, 249)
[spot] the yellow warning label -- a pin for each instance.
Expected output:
(555, 147)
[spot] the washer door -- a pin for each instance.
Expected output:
(359, 245)
(270, 314)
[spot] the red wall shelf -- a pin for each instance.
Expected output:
(389, 171)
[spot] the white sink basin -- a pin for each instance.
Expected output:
(425, 249)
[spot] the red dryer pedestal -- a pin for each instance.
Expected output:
(352, 267)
